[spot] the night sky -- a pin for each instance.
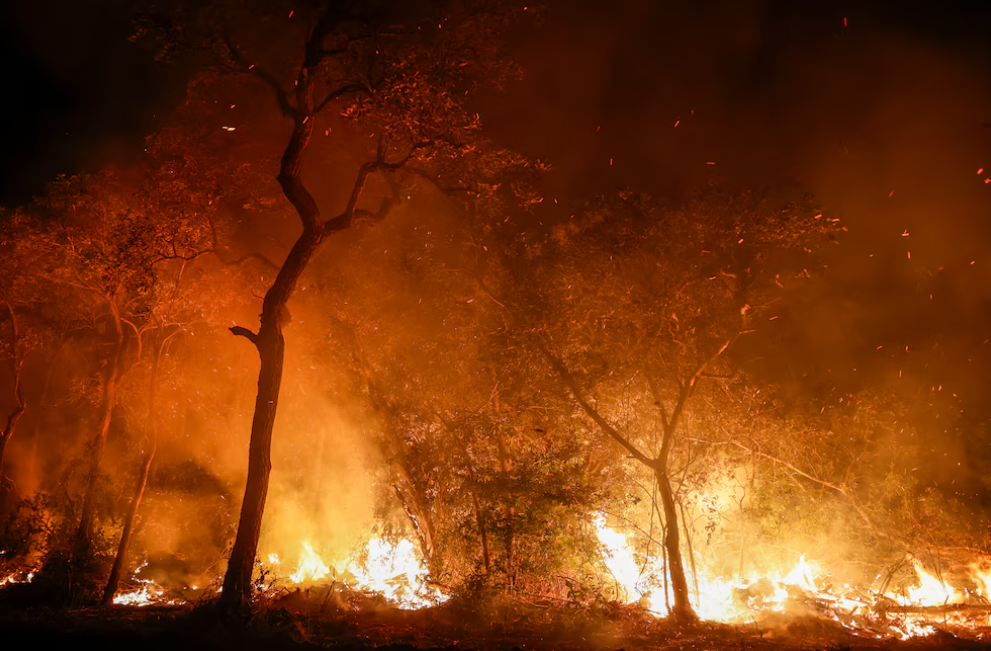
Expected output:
(881, 110)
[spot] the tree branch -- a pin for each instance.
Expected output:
(342, 221)
(822, 482)
(606, 427)
(241, 331)
(215, 250)
(449, 190)
(281, 96)
(338, 93)
(656, 394)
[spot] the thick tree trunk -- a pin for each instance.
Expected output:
(237, 582)
(682, 610)
(270, 343)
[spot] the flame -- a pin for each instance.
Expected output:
(310, 568)
(618, 557)
(16, 577)
(141, 597)
(397, 572)
(149, 593)
(394, 570)
(930, 591)
(742, 599)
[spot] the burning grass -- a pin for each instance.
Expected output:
(327, 616)
(382, 595)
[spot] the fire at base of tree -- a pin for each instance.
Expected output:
(458, 420)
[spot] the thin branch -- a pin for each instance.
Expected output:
(656, 394)
(215, 250)
(449, 190)
(20, 406)
(338, 93)
(822, 482)
(281, 96)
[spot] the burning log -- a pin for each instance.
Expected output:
(886, 606)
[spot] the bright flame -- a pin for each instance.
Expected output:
(16, 577)
(722, 600)
(930, 591)
(141, 597)
(982, 576)
(149, 593)
(310, 568)
(395, 571)
(801, 575)
(618, 557)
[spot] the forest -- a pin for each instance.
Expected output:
(329, 348)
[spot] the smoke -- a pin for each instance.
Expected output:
(879, 110)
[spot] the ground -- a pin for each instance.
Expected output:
(298, 621)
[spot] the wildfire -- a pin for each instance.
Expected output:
(394, 570)
(803, 585)
(619, 559)
(147, 594)
(930, 591)
(397, 572)
(16, 577)
(310, 567)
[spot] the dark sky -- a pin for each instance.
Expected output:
(76, 93)
(882, 110)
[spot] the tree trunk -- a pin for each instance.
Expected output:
(270, 343)
(415, 507)
(16, 365)
(235, 598)
(482, 534)
(8, 430)
(125, 536)
(4, 438)
(301, 107)
(99, 444)
(682, 611)
(510, 509)
(139, 490)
